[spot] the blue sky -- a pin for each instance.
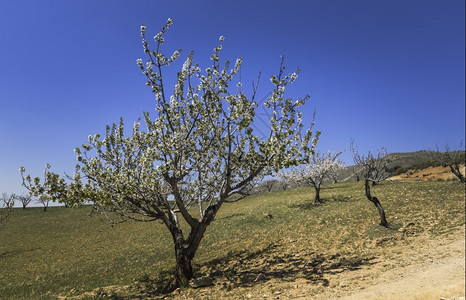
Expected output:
(386, 73)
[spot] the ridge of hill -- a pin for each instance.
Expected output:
(397, 163)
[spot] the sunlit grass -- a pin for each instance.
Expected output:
(66, 252)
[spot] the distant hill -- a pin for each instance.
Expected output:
(398, 163)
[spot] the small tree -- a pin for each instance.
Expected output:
(454, 158)
(315, 170)
(6, 204)
(374, 169)
(25, 200)
(52, 189)
(269, 184)
(44, 201)
(285, 181)
(372, 166)
(356, 171)
(200, 150)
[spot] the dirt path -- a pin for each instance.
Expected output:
(436, 270)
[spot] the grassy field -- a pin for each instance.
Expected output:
(67, 252)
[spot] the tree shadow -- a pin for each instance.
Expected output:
(245, 268)
(230, 216)
(309, 204)
(17, 252)
(340, 198)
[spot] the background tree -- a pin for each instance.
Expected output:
(315, 170)
(269, 184)
(53, 187)
(6, 204)
(454, 158)
(335, 175)
(25, 200)
(199, 150)
(356, 171)
(285, 181)
(374, 169)
(45, 201)
(372, 166)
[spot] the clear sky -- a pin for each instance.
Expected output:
(387, 73)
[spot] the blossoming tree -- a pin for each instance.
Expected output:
(197, 153)
(314, 171)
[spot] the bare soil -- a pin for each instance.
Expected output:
(428, 269)
(430, 173)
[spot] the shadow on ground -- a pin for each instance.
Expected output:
(310, 204)
(246, 268)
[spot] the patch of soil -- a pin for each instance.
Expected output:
(428, 269)
(428, 174)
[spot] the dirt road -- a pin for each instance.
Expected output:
(435, 269)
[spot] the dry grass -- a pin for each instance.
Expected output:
(303, 247)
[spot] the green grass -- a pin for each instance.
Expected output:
(65, 252)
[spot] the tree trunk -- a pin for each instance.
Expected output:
(185, 251)
(455, 169)
(183, 257)
(317, 198)
(383, 220)
(183, 268)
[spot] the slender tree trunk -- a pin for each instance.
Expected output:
(383, 220)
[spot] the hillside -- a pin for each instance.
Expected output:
(428, 174)
(397, 163)
(276, 245)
